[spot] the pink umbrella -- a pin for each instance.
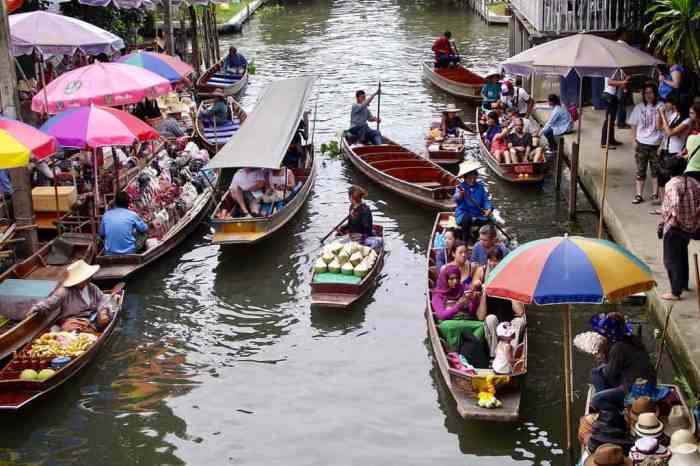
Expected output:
(107, 84)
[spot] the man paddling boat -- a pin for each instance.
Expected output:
(360, 115)
(445, 52)
(473, 201)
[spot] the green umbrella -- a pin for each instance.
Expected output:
(693, 146)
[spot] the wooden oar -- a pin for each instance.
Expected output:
(335, 228)
(379, 103)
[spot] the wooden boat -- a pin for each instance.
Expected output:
(16, 333)
(456, 80)
(691, 419)
(518, 173)
(403, 172)
(121, 267)
(460, 383)
(341, 291)
(263, 143)
(16, 394)
(213, 138)
(449, 151)
(213, 79)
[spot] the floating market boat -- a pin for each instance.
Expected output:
(463, 385)
(214, 79)
(213, 137)
(444, 151)
(404, 172)
(456, 80)
(262, 143)
(518, 173)
(340, 291)
(16, 393)
(33, 279)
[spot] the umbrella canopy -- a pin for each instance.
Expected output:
(568, 270)
(166, 66)
(586, 54)
(52, 34)
(93, 127)
(19, 141)
(100, 84)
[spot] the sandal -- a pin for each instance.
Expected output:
(638, 199)
(655, 212)
(670, 297)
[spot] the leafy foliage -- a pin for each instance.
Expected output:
(122, 22)
(331, 149)
(675, 31)
(268, 11)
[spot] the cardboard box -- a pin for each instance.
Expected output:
(44, 198)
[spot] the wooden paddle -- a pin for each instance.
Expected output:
(335, 228)
(379, 102)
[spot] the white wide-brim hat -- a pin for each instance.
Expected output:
(78, 272)
(468, 166)
(505, 330)
(685, 454)
(451, 108)
(682, 436)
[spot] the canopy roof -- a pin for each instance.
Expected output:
(263, 139)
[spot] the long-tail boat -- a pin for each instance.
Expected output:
(214, 79)
(456, 80)
(213, 137)
(403, 172)
(16, 393)
(461, 384)
(341, 291)
(262, 143)
(39, 273)
(518, 173)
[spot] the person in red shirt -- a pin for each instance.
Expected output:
(445, 54)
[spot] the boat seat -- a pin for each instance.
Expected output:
(428, 184)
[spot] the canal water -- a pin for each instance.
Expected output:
(220, 360)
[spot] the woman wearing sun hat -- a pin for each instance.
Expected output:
(451, 122)
(473, 201)
(81, 302)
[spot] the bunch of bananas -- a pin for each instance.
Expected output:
(52, 345)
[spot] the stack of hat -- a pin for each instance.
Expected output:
(648, 425)
(643, 404)
(684, 449)
(678, 419)
(608, 455)
(648, 447)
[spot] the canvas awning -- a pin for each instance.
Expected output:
(263, 139)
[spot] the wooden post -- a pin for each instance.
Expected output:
(23, 209)
(567, 375)
(217, 47)
(558, 167)
(196, 57)
(662, 345)
(205, 39)
(573, 180)
(168, 28)
(697, 279)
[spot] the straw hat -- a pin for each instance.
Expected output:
(505, 330)
(685, 454)
(648, 425)
(78, 272)
(640, 405)
(682, 436)
(494, 74)
(678, 419)
(467, 167)
(451, 108)
(608, 455)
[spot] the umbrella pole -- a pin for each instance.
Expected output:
(567, 375)
(42, 73)
(55, 192)
(604, 194)
(95, 195)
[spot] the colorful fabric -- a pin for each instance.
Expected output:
(681, 204)
(451, 331)
(442, 289)
(568, 270)
(19, 141)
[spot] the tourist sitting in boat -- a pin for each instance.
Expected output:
(516, 98)
(488, 239)
(118, 226)
(529, 125)
(82, 304)
(626, 360)
(455, 305)
(445, 254)
(247, 188)
(495, 137)
(360, 114)
(234, 63)
(472, 199)
(169, 127)
(451, 122)
(295, 153)
(218, 112)
(472, 272)
(445, 52)
(491, 92)
(280, 185)
(521, 147)
(559, 122)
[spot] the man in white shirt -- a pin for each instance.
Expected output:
(515, 97)
(646, 123)
(607, 135)
(247, 187)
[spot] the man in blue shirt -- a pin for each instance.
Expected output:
(473, 202)
(234, 61)
(487, 239)
(559, 122)
(118, 225)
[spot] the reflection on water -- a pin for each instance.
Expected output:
(220, 360)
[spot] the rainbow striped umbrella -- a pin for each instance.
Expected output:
(19, 141)
(569, 270)
(166, 66)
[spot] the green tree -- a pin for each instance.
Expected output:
(675, 31)
(122, 22)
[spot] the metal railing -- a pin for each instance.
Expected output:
(568, 16)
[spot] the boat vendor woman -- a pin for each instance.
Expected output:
(82, 304)
(473, 202)
(626, 361)
(455, 305)
(360, 218)
(451, 122)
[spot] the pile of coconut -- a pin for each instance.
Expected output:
(348, 258)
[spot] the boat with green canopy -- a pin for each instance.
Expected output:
(278, 124)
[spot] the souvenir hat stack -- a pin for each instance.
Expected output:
(640, 405)
(682, 436)
(608, 454)
(685, 454)
(648, 425)
(678, 419)
(648, 447)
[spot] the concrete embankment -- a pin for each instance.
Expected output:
(235, 24)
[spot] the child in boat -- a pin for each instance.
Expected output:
(503, 362)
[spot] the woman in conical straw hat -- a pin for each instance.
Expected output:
(81, 303)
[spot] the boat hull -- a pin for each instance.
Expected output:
(204, 88)
(471, 92)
